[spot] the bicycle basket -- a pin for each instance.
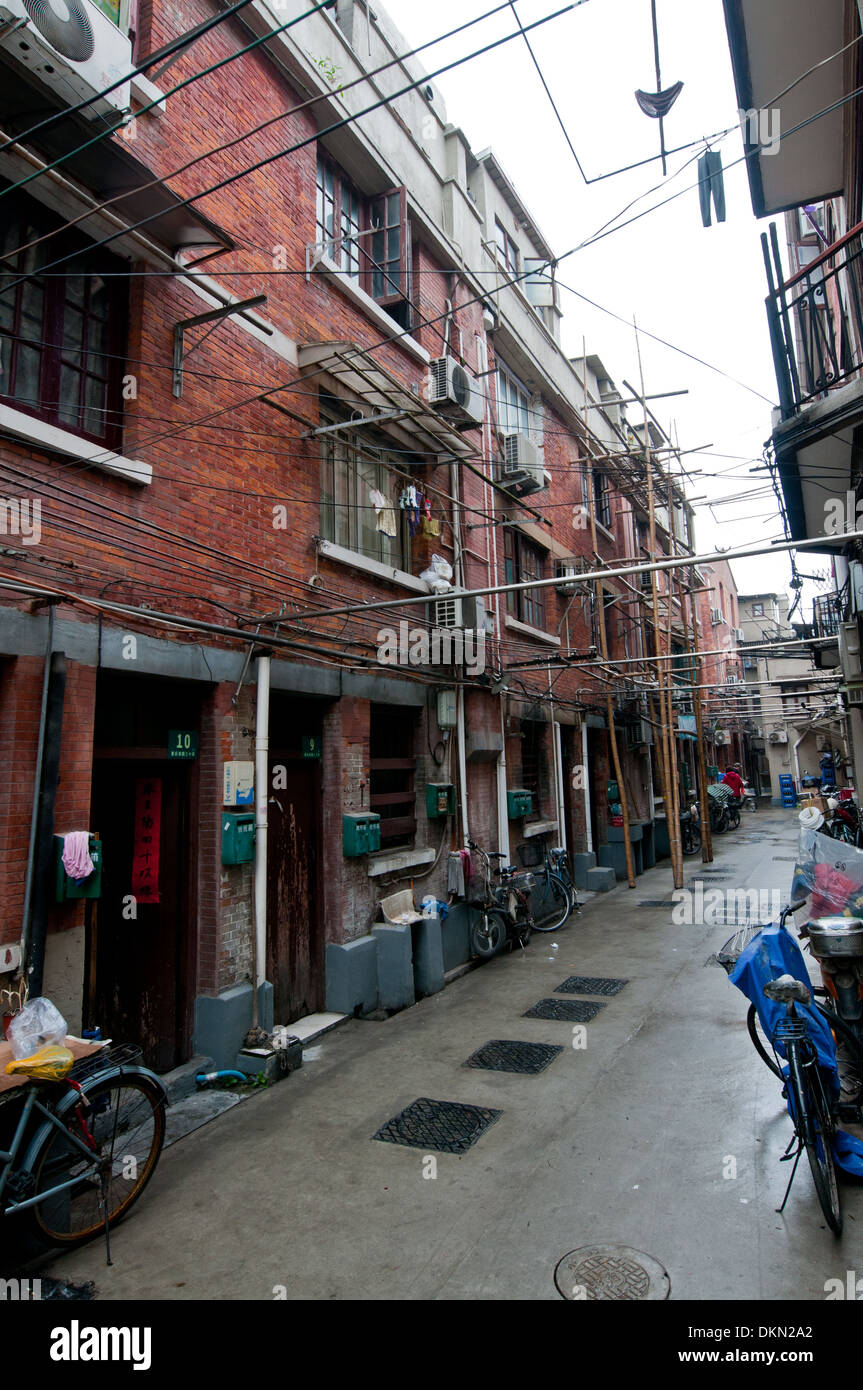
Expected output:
(531, 855)
(729, 954)
(523, 883)
(112, 1055)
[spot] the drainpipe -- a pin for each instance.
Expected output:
(462, 765)
(40, 899)
(561, 821)
(586, 777)
(502, 811)
(796, 759)
(262, 787)
(37, 782)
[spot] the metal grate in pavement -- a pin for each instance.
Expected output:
(590, 984)
(565, 1010)
(506, 1055)
(445, 1125)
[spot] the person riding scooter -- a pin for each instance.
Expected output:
(733, 779)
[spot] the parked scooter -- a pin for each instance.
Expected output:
(844, 821)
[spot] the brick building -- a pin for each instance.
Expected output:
(240, 420)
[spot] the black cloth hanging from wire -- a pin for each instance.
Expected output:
(658, 104)
(711, 185)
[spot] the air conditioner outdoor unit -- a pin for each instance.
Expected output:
(778, 736)
(568, 571)
(740, 634)
(72, 48)
(716, 616)
(521, 470)
(854, 695)
(454, 391)
(849, 649)
(457, 611)
(722, 737)
(638, 734)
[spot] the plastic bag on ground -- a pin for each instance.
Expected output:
(38, 1025)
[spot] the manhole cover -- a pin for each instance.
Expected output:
(504, 1055)
(611, 1272)
(445, 1125)
(566, 1010)
(590, 984)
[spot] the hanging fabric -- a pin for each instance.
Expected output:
(387, 522)
(711, 185)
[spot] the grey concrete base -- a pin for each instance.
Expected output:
(427, 956)
(180, 1082)
(352, 977)
(395, 966)
(581, 865)
(601, 880)
(648, 848)
(222, 1022)
(455, 934)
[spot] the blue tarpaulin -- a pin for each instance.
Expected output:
(774, 952)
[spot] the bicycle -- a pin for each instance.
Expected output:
(804, 1035)
(555, 896)
(80, 1171)
(503, 913)
(690, 831)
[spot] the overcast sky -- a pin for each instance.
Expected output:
(701, 289)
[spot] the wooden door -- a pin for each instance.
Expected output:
(295, 946)
(139, 951)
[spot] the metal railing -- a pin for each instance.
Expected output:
(815, 320)
(827, 614)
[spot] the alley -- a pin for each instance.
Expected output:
(625, 1141)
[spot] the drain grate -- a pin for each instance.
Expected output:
(590, 984)
(505, 1055)
(611, 1272)
(566, 1010)
(445, 1125)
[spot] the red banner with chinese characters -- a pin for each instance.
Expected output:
(145, 852)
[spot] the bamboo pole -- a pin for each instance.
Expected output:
(672, 740)
(668, 794)
(706, 833)
(609, 703)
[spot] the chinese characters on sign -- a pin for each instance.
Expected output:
(145, 853)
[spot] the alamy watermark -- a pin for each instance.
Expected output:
(435, 646)
(843, 514)
(21, 516)
(724, 906)
(761, 126)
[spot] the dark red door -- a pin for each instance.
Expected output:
(295, 947)
(139, 951)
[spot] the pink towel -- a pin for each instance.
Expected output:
(76, 854)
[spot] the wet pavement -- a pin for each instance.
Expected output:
(655, 1127)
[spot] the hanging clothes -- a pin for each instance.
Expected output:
(711, 185)
(387, 522)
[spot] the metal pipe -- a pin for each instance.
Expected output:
(586, 780)
(262, 787)
(37, 781)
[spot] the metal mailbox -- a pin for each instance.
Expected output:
(238, 837)
(440, 800)
(67, 889)
(361, 833)
(519, 802)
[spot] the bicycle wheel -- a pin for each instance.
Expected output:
(126, 1118)
(487, 933)
(733, 817)
(553, 905)
(690, 837)
(814, 1124)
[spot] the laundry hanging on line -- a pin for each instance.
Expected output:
(711, 186)
(387, 522)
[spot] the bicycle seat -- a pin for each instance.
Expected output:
(496, 854)
(50, 1063)
(786, 989)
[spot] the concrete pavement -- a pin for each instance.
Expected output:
(628, 1140)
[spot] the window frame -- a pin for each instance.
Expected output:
(358, 221)
(524, 561)
(58, 310)
(600, 491)
(351, 492)
(507, 249)
(400, 728)
(508, 385)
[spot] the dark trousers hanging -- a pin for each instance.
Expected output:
(711, 184)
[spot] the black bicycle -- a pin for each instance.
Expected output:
(502, 913)
(813, 1108)
(554, 896)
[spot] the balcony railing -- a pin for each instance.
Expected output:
(815, 319)
(827, 615)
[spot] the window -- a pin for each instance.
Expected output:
(62, 337)
(601, 496)
(534, 764)
(353, 480)
(392, 769)
(118, 11)
(368, 238)
(513, 404)
(758, 610)
(507, 251)
(524, 562)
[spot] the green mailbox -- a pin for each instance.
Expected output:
(361, 833)
(238, 837)
(440, 800)
(519, 802)
(68, 889)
